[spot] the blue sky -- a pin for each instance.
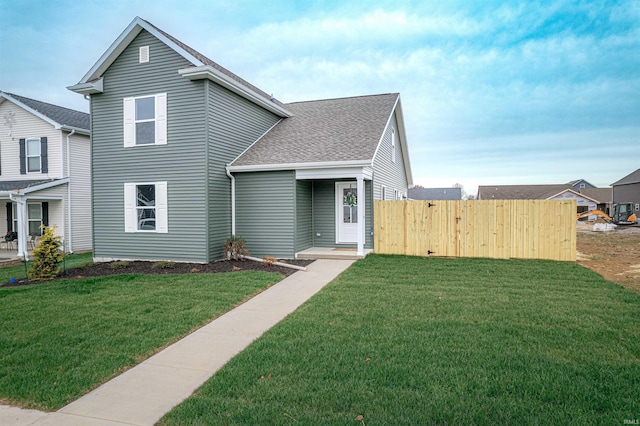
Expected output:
(493, 92)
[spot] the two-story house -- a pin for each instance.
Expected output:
(186, 154)
(44, 172)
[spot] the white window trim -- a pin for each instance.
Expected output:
(131, 208)
(393, 145)
(383, 192)
(396, 194)
(160, 119)
(27, 156)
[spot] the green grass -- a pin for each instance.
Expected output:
(402, 340)
(18, 271)
(60, 339)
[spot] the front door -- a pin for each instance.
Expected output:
(346, 212)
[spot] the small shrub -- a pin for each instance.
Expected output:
(119, 264)
(47, 256)
(163, 264)
(234, 248)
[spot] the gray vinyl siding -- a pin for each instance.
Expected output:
(386, 172)
(234, 124)
(304, 215)
(265, 212)
(627, 193)
(181, 162)
(324, 214)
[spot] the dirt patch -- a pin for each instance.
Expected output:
(613, 254)
(118, 268)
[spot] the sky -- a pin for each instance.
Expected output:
(493, 92)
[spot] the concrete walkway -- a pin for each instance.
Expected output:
(143, 394)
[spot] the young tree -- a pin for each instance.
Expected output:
(47, 256)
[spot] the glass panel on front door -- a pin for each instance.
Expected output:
(350, 205)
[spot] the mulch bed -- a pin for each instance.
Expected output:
(137, 267)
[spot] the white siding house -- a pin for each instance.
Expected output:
(45, 173)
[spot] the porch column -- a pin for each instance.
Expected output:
(361, 216)
(21, 212)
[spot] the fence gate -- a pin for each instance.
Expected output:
(529, 229)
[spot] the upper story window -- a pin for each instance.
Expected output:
(145, 120)
(33, 155)
(393, 145)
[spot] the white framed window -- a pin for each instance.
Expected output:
(383, 193)
(396, 194)
(144, 54)
(583, 186)
(35, 218)
(393, 145)
(145, 207)
(33, 153)
(145, 120)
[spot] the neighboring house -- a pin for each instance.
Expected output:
(627, 190)
(580, 184)
(435, 193)
(45, 171)
(588, 198)
(186, 153)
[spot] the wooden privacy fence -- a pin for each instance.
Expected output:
(526, 229)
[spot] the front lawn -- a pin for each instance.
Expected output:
(19, 271)
(400, 340)
(58, 340)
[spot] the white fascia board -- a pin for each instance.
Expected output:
(209, 72)
(404, 143)
(121, 43)
(402, 137)
(577, 194)
(299, 166)
(365, 173)
(34, 197)
(42, 186)
(90, 88)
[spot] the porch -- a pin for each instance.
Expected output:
(314, 253)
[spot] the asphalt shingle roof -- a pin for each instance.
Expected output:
(435, 193)
(520, 192)
(329, 130)
(601, 195)
(202, 58)
(633, 177)
(61, 115)
(14, 185)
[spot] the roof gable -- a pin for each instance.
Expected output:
(203, 67)
(633, 177)
(57, 116)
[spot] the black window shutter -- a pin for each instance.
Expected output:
(43, 155)
(45, 213)
(23, 157)
(9, 217)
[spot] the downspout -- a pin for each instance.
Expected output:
(233, 201)
(70, 245)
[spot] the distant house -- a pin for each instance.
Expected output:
(580, 184)
(587, 198)
(627, 190)
(435, 193)
(45, 174)
(186, 153)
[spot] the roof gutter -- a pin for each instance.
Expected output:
(300, 166)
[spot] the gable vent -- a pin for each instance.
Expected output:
(144, 54)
